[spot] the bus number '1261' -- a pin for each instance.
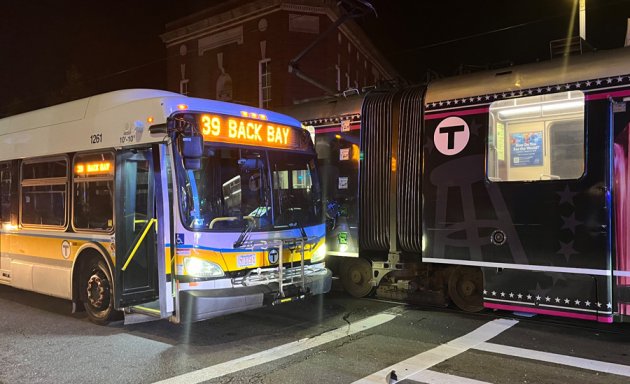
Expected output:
(95, 139)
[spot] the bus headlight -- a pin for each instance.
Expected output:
(202, 268)
(319, 254)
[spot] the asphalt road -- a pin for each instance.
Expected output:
(329, 339)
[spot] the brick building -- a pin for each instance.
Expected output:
(240, 51)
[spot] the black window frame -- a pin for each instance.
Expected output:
(45, 181)
(108, 178)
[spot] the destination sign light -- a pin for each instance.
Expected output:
(247, 131)
(93, 168)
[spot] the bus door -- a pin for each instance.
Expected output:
(620, 111)
(140, 250)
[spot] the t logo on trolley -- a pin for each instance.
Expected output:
(451, 136)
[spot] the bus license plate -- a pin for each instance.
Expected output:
(246, 260)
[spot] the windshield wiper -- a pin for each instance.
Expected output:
(244, 236)
(295, 218)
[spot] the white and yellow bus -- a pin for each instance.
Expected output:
(153, 204)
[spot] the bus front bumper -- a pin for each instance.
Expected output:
(203, 304)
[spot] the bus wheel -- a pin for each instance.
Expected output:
(465, 286)
(98, 295)
(355, 274)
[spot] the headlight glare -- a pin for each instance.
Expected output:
(319, 254)
(202, 268)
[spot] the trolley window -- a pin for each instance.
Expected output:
(537, 138)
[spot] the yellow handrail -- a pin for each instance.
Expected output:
(144, 234)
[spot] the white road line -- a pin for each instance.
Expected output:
(433, 377)
(426, 360)
(593, 365)
(278, 352)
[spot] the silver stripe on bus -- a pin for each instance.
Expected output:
(106, 238)
(524, 267)
(40, 260)
(621, 273)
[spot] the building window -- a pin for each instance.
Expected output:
(537, 138)
(348, 77)
(183, 87)
(264, 83)
(338, 70)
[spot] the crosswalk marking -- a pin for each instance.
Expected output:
(426, 360)
(593, 365)
(279, 352)
(433, 377)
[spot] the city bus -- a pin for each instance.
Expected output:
(504, 189)
(148, 204)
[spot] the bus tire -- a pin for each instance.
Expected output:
(465, 288)
(97, 292)
(356, 276)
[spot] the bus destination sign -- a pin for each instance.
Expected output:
(239, 130)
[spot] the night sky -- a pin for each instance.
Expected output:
(55, 51)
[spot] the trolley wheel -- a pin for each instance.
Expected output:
(465, 287)
(97, 292)
(355, 274)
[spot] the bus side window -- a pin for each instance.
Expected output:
(8, 193)
(93, 192)
(44, 192)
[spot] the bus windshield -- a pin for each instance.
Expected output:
(237, 188)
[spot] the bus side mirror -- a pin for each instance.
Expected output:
(192, 150)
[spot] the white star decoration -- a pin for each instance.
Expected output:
(530, 91)
(548, 299)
